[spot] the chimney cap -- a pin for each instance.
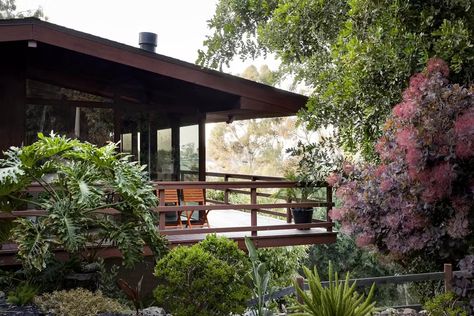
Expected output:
(148, 41)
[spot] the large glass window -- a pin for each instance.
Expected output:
(59, 109)
(189, 152)
(47, 118)
(165, 162)
(94, 125)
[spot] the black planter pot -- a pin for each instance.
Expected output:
(302, 215)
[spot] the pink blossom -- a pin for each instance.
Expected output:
(380, 170)
(348, 168)
(405, 110)
(364, 239)
(346, 228)
(464, 129)
(458, 226)
(415, 221)
(406, 137)
(333, 179)
(461, 204)
(414, 156)
(350, 201)
(336, 214)
(435, 65)
(465, 149)
(416, 87)
(464, 124)
(437, 182)
(385, 185)
(392, 220)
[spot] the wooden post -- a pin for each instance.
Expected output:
(289, 215)
(226, 191)
(300, 284)
(202, 148)
(448, 277)
(12, 98)
(175, 149)
(161, 195)
(253, 212)
(329, 205)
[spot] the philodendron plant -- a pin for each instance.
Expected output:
(78, 180)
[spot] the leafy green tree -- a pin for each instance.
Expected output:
(78, 179)
(8, 11)
(356, 55)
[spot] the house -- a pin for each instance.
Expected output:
(55, 78)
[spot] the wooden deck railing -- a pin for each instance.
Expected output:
(229, 177)
(242, 187)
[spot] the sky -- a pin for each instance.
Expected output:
(181, 25)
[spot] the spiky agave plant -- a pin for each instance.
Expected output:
(337, 299)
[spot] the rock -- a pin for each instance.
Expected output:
(2, 295)
(153, 311)
(91, 267)
(407, 312)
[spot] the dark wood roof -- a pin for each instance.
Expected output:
(111, 69)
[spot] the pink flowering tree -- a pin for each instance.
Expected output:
(417, 204)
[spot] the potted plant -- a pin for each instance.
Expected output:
(302, 193)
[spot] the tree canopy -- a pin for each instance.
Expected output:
(8, 10)
(356, 55)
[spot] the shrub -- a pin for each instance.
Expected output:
(77, 302)
(195, 282)
(22, 294)
(226, 250)
(415, 204)
(444, 305)
(78, 179)
(463, 284)
(282, 263)
(339, 298)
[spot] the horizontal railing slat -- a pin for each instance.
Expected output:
(192, 231)
(229, 184)
(235, 206)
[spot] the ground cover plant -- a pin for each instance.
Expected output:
(77, 302)
(78, 180)
(416, 204)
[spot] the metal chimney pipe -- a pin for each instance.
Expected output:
(148, 41)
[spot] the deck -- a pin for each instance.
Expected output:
(265, 238)
(266, 221)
